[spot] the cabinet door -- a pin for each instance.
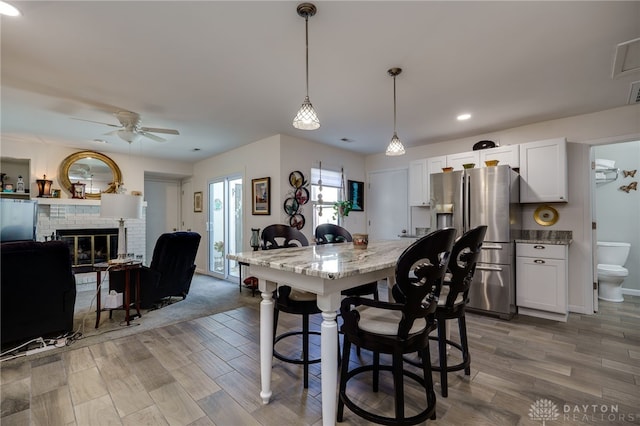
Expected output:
(541, 284)
(418, 192)
(457, 160)
(434, 165)
(543, 171)
(508, 155)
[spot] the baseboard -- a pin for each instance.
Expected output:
(631, 291)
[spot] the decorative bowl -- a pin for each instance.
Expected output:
(491, 163)
(447, 169)
(469, 165)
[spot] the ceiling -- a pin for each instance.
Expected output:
(230, 73)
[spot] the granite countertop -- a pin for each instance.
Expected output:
(544, 237)
(328, 261)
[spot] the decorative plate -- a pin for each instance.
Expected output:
(296, 179)
(484, 145)
(546, 215)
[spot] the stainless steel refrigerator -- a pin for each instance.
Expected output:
(483, 196)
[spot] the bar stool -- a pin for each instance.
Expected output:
(453, 300)
(290, 300)
(397, 328)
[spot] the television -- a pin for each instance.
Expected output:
(18, 220)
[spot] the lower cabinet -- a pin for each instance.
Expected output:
(542, 280)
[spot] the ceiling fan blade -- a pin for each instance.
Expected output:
(156, 130)
(152, 136)
(97, 122)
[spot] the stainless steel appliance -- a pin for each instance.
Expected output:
(18, 219)
(484, 196)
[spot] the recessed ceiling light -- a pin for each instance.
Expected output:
(100, 141)
(8, 10)
(463, 117)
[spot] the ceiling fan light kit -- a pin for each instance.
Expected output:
(130, 130)
(395, 146)
(306, 118)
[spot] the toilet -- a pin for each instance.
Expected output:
(611, 273)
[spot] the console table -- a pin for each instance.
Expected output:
(128, 268)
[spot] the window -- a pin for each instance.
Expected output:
(323, 210)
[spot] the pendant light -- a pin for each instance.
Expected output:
(395, 146)
(306, 118)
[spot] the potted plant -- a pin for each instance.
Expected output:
(218, 246)
(341, 209)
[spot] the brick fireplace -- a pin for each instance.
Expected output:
(56, 214)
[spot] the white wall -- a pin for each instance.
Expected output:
(275, 157)
(46, 159)
(618, 212)
(618, 124)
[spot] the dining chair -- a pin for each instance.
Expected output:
(453, 300)
(290, 300)
(396, 328)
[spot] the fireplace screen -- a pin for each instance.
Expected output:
(89, 246)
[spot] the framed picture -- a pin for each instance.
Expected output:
(356, 195)
(261, 196)
(197, 201)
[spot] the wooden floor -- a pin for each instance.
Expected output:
(206, 372)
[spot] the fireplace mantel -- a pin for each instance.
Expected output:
(71, 202)
(67, 201)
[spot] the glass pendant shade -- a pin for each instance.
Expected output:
(395, 146)
(306, 118)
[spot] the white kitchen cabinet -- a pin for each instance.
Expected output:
(457, 160)
(418, 186)
(543, 171)
(542, 280)
(434, 165)
(508, 155)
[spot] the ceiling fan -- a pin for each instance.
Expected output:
(130, 129)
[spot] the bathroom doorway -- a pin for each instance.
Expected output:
(616, 203)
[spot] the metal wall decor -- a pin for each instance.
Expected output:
(297, 198)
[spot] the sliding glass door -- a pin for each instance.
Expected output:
(225, 224)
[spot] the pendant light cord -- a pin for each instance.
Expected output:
(306, 31)
(394, 104)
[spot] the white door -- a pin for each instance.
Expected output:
(163, 210)
(388, 204)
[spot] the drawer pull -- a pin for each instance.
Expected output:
(538, 261)
(539, 247)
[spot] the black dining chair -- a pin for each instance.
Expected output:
(328, 233)
(453, 300)
(397, 328)
(290, 300)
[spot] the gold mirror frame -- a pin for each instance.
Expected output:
(68, 162)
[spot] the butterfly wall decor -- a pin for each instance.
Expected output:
(629, 173)
(626, 188)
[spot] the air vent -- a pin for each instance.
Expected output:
(634, 96)
(627, 59)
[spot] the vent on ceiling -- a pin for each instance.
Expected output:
(634, 96)
(627, 59)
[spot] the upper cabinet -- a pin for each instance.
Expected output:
(506, 155)
(419, 174)
(543, 171)
(418, 187)
(457, 160)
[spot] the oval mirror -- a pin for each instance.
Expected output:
(97, 171)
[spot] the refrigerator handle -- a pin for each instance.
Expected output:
(467, 195)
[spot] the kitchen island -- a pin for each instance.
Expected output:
(325, 270)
